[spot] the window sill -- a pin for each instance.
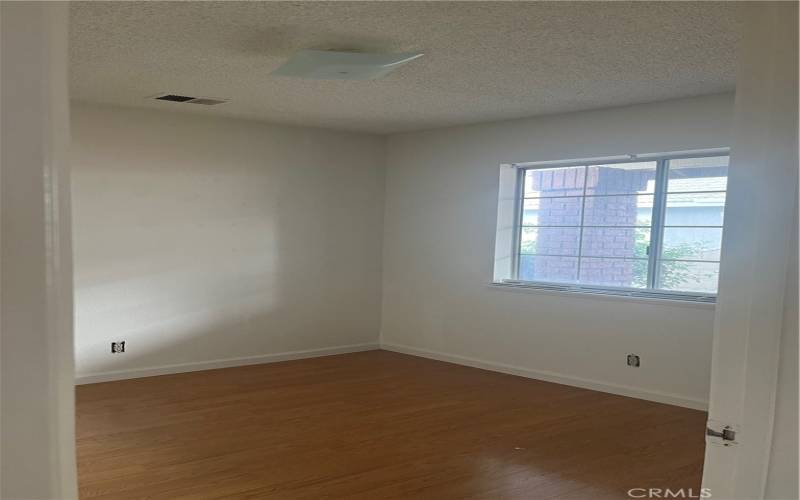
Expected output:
(604, 294)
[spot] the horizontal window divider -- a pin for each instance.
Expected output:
(609, 195)
(584, 256)
(602, 227)
(667, 226)
(548, 255)
(555, 227)
(716, 191)
(590, 195)
(690, 260)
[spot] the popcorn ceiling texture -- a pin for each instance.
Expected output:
(484, 61)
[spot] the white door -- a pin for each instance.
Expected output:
(760, 220)
(37, 387)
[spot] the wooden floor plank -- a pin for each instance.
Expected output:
(375, 425)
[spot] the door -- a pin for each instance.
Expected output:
(38, 428)
(759, 220)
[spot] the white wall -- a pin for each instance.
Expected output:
(201, 239)
(441, 199)
(38, 412)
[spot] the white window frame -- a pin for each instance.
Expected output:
(656, 226)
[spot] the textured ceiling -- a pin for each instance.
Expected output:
(484, 60)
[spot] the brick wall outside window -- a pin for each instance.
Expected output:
(600, 211)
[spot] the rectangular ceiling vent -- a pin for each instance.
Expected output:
(205, 101)
(173, 98)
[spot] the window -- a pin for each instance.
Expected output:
(652, 224)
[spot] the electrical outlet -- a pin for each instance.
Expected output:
(117, 347)
(633, 360)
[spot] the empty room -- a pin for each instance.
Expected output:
(399, 250)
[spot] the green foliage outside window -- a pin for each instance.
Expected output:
(675, 275)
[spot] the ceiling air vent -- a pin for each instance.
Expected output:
(205, 101)
(174, 98)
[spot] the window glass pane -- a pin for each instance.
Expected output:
(556, 269)
(616, 242)
(621, 178)
(619, 210)
(552, 212)
(563, 181)
(549, 240)
(688, 276)
(698, 174)
(695, 209)
(610, 229)
(627, 273)
(691, 243)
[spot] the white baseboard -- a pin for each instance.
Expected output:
(151, 371)
(660, 397)
(634, 392)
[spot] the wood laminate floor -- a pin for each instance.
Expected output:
(375, 425)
